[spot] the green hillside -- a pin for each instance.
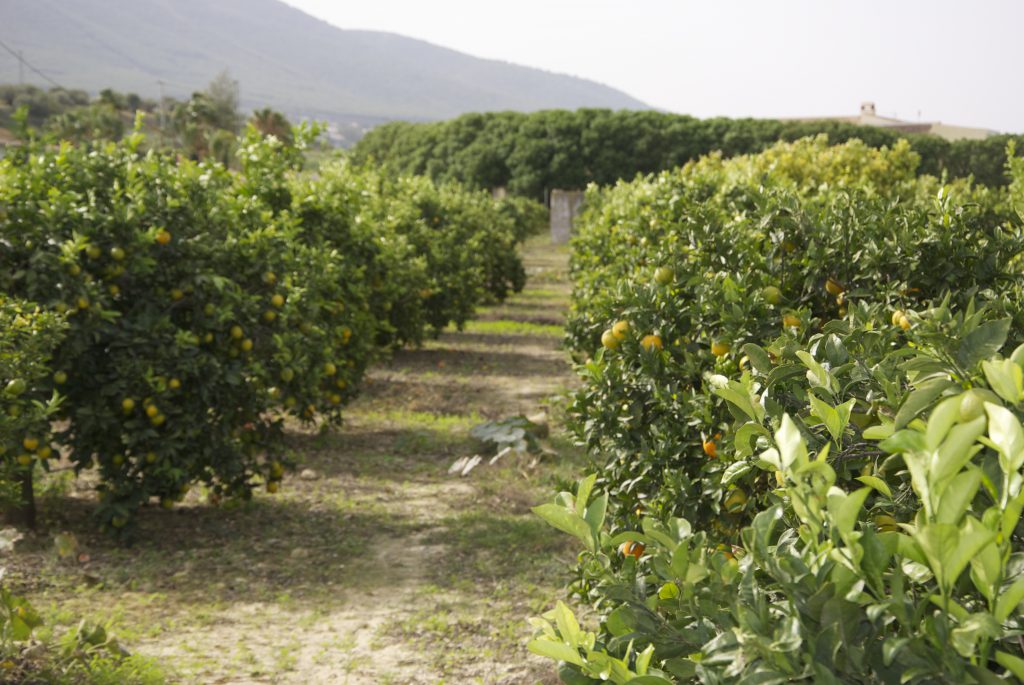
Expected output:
(282, 57)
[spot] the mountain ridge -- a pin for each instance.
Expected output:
(282, 58)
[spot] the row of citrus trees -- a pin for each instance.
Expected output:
(188, 310)
(801, 369)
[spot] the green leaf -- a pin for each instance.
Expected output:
(568, 627)
(1004, 430)
(986, 568)
(876, 483)
(983, 342)
(956, 450)
(594, 515)
(844, 508)
(648, 680)
(949, 549)
(792, 451)
(739, 396)
(942, 419)
(1006, 378)
(817, 375)
(583, 492)
(555, 650)
(1013, 664)
(827, 415)
(879, 432)
(566, 521)
(735, 470)
(744, 437)
(957, 496)
(1010, 599)
(759, 359)
(621, 622)
(920, 399)
(680, 560)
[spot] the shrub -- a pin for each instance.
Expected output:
(699, 262)
(885, 540)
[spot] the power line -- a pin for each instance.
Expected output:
(23, 61)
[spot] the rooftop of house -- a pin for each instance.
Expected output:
(869, 117)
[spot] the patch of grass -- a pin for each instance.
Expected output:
(508, 327)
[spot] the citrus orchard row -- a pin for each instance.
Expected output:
(205, 306)
(795, 386)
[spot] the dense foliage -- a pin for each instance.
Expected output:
(205, 306)
(531, 154)
(791, 365)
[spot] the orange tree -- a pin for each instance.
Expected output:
(205, 305)
(196, 320)
(886, 532)
(675, 274)
(28, 336)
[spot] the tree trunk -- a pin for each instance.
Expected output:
(24, 512)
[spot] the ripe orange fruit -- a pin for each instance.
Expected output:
(30, 444)
(335, 398)
(620, 329)
(24, 459)
(151, 411)
(720, 349)
(896, 316)
(330, 369)
(834, 287)
(82, 302)
(45, 452)
(341, 383)
(269, 315)
(710, 448)
(163, 236)
(246, 345)
(158, 420)
(904, 323)
(270, 278)
(791, 321)
(632, 549)
(127, 405)
(651, 342)
(609, 340)
(237, 333)
(277, 301)
(174, 384)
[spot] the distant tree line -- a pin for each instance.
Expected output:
(532, 153)
(206, 125)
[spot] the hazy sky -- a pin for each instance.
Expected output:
(956, 61)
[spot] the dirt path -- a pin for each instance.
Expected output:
(373, 565)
